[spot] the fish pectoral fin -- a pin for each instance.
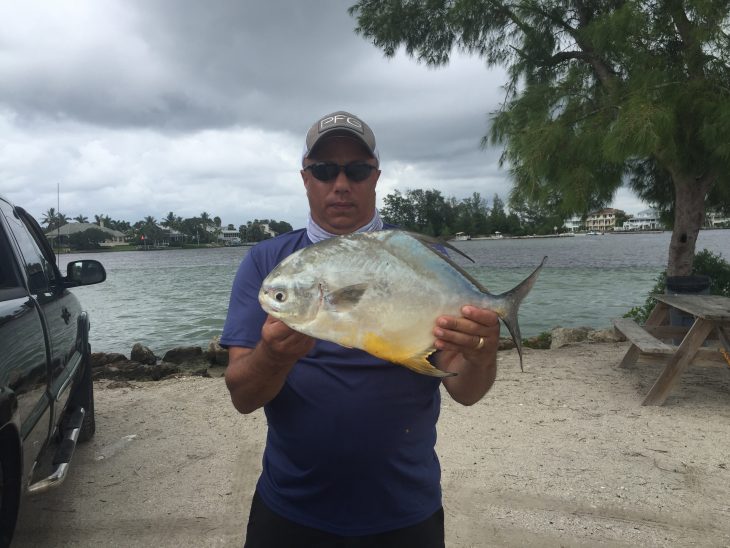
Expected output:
(347, 297)
(420, 364)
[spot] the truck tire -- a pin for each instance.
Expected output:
(84, 397)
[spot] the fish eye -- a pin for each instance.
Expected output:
(280, 296)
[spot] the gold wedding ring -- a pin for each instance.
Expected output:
(480, 344)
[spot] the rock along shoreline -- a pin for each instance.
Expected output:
(144, 365)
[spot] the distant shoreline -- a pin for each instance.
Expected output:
(572, 235)
(122, 248)
(474, 238)
(561, 235)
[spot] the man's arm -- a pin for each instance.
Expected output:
(457, 339)
(254, 376)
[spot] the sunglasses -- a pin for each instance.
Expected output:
(328, 171)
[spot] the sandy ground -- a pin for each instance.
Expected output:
(560, 455)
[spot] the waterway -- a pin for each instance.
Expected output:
(170, 298)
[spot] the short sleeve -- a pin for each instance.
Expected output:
(245, 315)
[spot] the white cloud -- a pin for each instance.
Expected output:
(142, 107)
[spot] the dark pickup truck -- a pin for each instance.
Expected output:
(46, 392)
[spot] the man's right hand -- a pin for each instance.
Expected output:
(254, 376)
(282, 341)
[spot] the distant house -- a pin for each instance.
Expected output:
(716, 220)
(602, 220)
(574, 224)
(170, 235)
(267, 229)
(62, 233)
(230, 236)
(647, 219)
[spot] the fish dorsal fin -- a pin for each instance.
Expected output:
(347, 297)
(420, 364)
(428, 242)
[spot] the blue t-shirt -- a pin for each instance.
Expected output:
(350, 444)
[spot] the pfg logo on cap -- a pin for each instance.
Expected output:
(340, 120)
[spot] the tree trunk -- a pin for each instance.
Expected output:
(689, 215)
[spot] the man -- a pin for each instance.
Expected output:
(349, 457)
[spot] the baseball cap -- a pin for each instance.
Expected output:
(344, 124)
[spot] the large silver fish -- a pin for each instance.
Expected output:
(381, 292)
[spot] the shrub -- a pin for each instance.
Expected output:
(705, 262)
(91, 238)
(540, 342)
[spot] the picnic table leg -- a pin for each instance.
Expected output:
(630, 357)
(658, 315)
(678, 362)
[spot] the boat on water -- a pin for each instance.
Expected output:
(594, 233)
(462, 236)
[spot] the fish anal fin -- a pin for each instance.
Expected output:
(420, 364)
(347, 297)
(383, 348)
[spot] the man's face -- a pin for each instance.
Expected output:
(341, 206)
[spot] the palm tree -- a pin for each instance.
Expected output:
(121, 226)
(170, 221)
(102, 219)
(50, 218)
(81, 219)
(61, 219)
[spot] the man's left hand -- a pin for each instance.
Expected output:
(468, 347)
(475, 334)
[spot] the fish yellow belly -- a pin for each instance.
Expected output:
(388, 350)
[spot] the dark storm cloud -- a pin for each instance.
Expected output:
(140, 107)
(186, 65)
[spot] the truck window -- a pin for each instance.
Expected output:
(38, 269)
(8, 274)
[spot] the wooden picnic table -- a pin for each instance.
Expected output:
(711, 323)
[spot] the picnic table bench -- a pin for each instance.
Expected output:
(711, 324)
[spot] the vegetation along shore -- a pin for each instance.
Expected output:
(424, 211)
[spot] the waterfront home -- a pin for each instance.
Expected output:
(648, 219)
(602, 220)
(574, 224)
(230, 236)
(170, 235)
(715, 219)
(59, 236)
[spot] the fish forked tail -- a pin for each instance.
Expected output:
(512, 300)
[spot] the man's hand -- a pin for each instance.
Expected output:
(254, 376)
(474, 334)
(468, 346)
(283, 343)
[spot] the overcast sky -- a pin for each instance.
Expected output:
(141, 107)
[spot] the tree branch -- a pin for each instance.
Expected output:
(690, 46)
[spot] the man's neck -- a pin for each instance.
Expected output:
(316, 233)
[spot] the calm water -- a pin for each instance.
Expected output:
(172, 298)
